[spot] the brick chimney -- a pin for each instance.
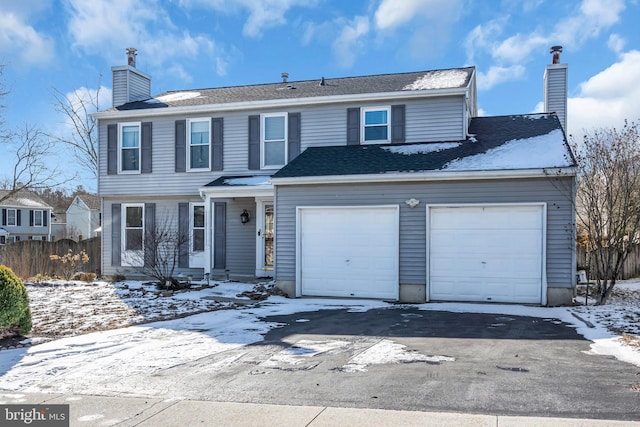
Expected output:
(129, 83)
(555, 87)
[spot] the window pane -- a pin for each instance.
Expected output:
(274, 128)
(133, 240)
(199, 156)
(134, 216)
(198, 216)
(11, 217)
(130, 136)
(37, 218)
(274, 153)
(199, 133)
(375, 133)
(375, 117)
(198, 240)
(130, 159)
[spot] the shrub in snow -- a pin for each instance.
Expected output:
(69, 263)
(15, 316)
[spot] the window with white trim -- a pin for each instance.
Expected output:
(12, 217)
(273, 140)
(375, 124)
(133, 234)
(38, 218)
(129, 147)
(199, 144)
(197, 228)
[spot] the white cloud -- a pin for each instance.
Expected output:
(391, 13)
(616, 43)
(608, 98)
(107, 27)
(586, 22)
(349, 40)
(21, 44)
(499, 74)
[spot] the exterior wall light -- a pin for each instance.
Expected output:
(244, 217)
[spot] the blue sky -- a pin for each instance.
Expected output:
(70, 45)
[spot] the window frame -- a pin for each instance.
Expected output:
(363, 125)
(35, 222)
(131, 258)
(121, 127)
(193, 228)
(209, 147)
(15, 217)
(264, 141)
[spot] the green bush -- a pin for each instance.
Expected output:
(15, 316)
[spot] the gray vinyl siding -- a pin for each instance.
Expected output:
(119, 85)
(26, 231)
(560, 237)
(138, 87)
(426, 120)
(555, 92)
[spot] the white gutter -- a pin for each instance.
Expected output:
(438, 175)
(280, 103)
(236, 191)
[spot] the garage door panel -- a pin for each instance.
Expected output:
(349, 252)
(486, 253)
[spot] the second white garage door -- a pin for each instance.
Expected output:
(348, 251)
(486, 253)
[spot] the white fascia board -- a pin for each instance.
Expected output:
(236, 191)
(281, 103)
(426, 176)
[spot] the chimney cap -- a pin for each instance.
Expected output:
(284, 76)
(555, 51)
(132, 52)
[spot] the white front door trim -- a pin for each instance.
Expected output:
(261, 269)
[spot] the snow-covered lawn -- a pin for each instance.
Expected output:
(77, 361)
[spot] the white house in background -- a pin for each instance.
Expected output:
(384, 186)
(24, 216)
(83, 217)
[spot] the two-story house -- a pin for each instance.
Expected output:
(384, 186)
(83, 216)
(24, 216)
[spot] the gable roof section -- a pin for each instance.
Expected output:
(534, 141)
(23, 199)
(91, 200)
(455, 78)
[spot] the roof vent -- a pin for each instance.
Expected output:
(285, 76)
(322, 82)
(132, 52)
(555, 52)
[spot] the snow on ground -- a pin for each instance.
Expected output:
(75, 363)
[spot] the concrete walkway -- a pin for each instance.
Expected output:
(130, 411)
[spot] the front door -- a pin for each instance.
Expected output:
(265, 239)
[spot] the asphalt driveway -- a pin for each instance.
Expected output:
(406, 359)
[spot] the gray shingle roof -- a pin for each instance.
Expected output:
(91, 200)
(23, 199)
(421, 80)
(499, 143)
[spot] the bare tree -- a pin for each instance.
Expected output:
(608, 200)
(78, 108)
(31, 169)
(163, 244)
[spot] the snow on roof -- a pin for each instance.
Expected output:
(172, 97)
(249, 180)
(3, 232)
(442, 79)
(421, 148)
(543, 151)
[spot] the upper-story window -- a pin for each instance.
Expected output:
(274, 140)
(12, 217)
(199, 143)
(38, 220)
(375, 124)
(129, 147)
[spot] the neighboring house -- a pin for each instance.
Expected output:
(83, 216)
(24, 216)
(384, 186)
(58, 225)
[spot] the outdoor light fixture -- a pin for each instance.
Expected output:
(244, 217)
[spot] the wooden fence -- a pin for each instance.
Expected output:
(630, 268)
(28, 258)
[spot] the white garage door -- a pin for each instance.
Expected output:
(348, 251)
(486, 253)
